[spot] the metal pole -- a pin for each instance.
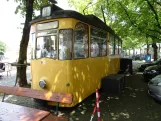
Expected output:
(3, 97)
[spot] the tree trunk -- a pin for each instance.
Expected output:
(21, 70)
(154, 45)
(147, 43)
(133, 51)
(159, 51)
(147, 51)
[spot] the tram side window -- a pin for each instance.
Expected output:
(116, 46)
(108, 41)
(111, 45)
(65, 44)
(32, 39)
(98, 43)
(119, 45)
(81, 41)
(103, 43)
(46, 47)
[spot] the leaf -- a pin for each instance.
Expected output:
(129, 18)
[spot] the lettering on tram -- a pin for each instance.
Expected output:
(72, 52)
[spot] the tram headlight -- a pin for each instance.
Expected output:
(42, 83)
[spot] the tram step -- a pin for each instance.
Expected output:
(113, 83)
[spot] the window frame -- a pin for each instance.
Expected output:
(48, 28)
(116, 46)
(98, 37)
(112, 43)
(56, 45)
(74, 40)
(120, 45)
(71, 44)
(33, 45)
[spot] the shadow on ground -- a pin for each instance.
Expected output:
(132, 104)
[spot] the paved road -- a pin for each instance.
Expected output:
(136, 64)
(10, 79)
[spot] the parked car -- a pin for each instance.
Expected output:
(151, 72)
(143, 66)
(154, 88)
(138, 57)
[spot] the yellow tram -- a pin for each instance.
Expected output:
(72, 52)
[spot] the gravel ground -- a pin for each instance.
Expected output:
(132, 104)
(10, 79)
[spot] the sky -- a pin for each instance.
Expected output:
(10, 22)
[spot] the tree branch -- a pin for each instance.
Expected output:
(157, 2)
(135, 25)
(154, 31)
(126, 12)
(152, 36)
(155, 13)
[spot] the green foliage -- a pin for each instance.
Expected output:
(133, 21)
(2, 47)
(133, 42)
(21, 8)
(79, 4)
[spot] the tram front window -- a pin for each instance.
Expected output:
(46, 47)
(65, 44)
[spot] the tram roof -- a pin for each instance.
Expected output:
(89, 19)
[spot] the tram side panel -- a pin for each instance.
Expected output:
(114, 64)
(52, 71)
(79, 77)
(85, 75)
